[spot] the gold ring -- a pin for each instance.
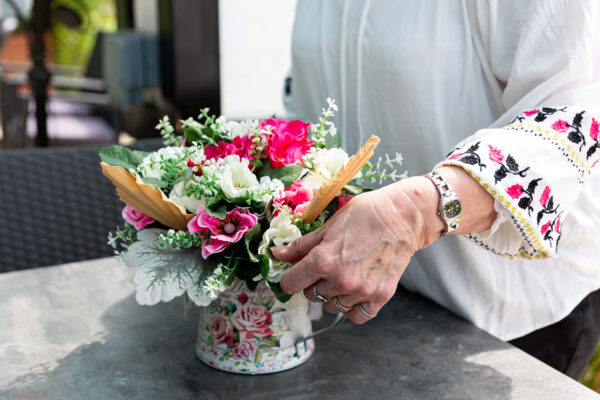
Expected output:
(339, 306)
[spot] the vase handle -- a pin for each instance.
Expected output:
(300, 344)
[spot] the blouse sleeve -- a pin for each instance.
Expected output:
(536, 159)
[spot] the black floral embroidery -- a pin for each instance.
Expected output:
(540, 115)
(547, 203)
(516, 191)
(575, 134)
(508, 165)
(469, 156)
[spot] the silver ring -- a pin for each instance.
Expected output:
(317, 297)
(339, 306)
(365, 313)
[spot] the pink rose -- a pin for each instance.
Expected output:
(594, 129)
(288, 141)
(530, 113)
(545, 227)
(136, 218)
(244, 350)
(343, 199)
(220, 150)
(223, 232)
(515, 191)
(495, 154)
(295, 198)
(242, 146)
(221, 330)
(252, 320)
(560, 126)
(545, 196)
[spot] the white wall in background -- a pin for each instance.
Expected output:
(255, 38)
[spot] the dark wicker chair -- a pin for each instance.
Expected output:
(56, 206)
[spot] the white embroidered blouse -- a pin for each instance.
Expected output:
(512, 90)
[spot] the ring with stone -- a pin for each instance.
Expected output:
(339, 306)
(317, 297)
(365, 312)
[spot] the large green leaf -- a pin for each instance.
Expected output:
(216, 207)
(251, 235)
(287, 174)
(120, 156)
(333, 141)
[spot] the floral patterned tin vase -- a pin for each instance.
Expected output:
(251, 332)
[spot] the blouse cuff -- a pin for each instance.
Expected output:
(534, 168)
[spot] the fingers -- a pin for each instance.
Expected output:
(300, 247)
(307, 271)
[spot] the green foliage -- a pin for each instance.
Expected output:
(382, 170)
(325, 134)
(180, 239)
(216, 207)
(168, 132)
(122, 238)
(287, 174)
(120, 156)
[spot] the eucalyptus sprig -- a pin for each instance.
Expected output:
(168, 132)
(180, 239)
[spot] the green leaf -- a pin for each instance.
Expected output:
(258, 356)
(271, 341)
(287, 174)
(120, 156)
(186, 174)
(253, 233)
(356, 189)
(333, 141)
(216, 207)
(247, 272)
(278, 292)
(155, 182)
(209, 341)
(251, 285)
(269, 303)
(264, 267)
(192, 130)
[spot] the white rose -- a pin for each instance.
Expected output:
(281, 232)
(327, 162)
(178, 195)
(236, 179)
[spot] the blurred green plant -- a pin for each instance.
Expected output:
(591, 375)
(73, 46)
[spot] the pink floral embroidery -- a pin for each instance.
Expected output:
(594, 129)
(545, 227)
(515, 191)
(455, 156)
(495, 154)
(557, 226)
(560, 126)
(532, 112)
(545, 196)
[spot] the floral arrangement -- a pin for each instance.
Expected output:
(244, 187)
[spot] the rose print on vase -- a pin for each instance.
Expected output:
(251, 332)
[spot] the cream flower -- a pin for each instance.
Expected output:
(280, 233)
(236, 178)
(327, 162)
(178, 195)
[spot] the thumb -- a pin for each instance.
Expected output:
(300, 247)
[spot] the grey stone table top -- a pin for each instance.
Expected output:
(75, 332)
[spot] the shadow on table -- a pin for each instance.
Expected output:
(412, 350)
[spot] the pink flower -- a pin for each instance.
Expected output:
(220, 150)
(221, 330)
(195, 167)
(136, 218)
(594, 129)
(244, 350)
(295, 198)
(515, 191)
(288, 141)
(495, 154)
(455, 156)
(560, 126)
(223, 232)
(557, 226)
(545, 196)
(252, 320)
(242, 146)
(530, 113)
(343, 199)
(545, 227)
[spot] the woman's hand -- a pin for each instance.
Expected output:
(360, 254)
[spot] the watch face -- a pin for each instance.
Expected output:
(452, 209)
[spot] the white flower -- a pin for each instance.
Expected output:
(236, 178)
(313, 181)
(327, 162)
(178, 195)
(281, 232)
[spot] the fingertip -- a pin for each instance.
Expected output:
(278, 251)
(283, 284)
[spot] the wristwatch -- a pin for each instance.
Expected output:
(450, 208)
